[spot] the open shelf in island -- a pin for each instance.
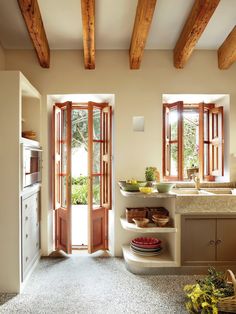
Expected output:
(151, 228)
(162, 260)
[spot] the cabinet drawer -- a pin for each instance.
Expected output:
(30, 232)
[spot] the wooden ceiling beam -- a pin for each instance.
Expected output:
(33, 20)
(196, 23)
(88, 21)
(143, 20)
(227, 51)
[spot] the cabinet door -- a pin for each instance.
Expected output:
(198, 240)
(226, 240)
(30, 232)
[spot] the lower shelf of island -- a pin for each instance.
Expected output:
(151, 228)
(162, 260)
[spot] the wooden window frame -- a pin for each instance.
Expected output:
(213, 142)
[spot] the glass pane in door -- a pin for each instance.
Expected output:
(173, 123)
(96, 191)
(96, 157)
(63, 158)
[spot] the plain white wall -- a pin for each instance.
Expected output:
(137, 93)
(2, 58)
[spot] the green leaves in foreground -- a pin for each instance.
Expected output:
(206, 293)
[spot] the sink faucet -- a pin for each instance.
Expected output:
(196, 180)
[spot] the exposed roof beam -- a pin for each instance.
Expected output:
(88, 19)
(196, 23)
(143, 19)
(227, 51)
(33, 20)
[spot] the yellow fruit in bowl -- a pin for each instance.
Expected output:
(146, 189)
(132, 181)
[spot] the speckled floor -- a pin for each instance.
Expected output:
(86, 284)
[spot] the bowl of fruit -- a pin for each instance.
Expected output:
(131, 185)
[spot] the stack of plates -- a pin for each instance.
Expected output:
(146, 246)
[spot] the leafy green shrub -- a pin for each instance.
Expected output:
(79, 195)
(205, 294)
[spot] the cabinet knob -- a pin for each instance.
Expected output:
(26, 235)
(218, 242)
(26, 259)
(212, 242)
(37, 244)
(26, 218)
(26, 206)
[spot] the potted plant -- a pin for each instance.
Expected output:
(151, 175)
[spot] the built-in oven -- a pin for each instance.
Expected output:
(31, 165)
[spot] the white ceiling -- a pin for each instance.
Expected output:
(113, 23)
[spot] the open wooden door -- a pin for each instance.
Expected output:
(62, 175)
(99, 171)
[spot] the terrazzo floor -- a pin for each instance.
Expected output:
(86, 284)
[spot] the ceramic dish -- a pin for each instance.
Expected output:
(141, 222)
(145, 249)
(149, 254)
(145, 241)
(131, 187)
(164, 187)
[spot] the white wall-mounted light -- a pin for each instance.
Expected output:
(138, 124)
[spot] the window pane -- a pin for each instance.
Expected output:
(206, 128)
(96, 157)
(96, 190)
(206, 159)
(80, 129)
(191, 142)
(96, 123)
(173, 123)
(173, 159)
(63, 158)
(63, 191)
(215, 125)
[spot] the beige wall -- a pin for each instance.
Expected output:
(2, 58)
(10, 182)
(136, 93)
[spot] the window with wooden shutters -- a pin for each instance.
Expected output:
(209, 134)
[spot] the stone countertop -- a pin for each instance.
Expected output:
(206, 184)
(205, 204)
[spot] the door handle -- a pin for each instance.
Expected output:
(212, 242)
(218, 242)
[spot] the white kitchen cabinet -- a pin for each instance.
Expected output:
(30, 231)
(17, 97)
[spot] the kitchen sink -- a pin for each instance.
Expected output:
(190, 191)
(205, 191)
(219, 190)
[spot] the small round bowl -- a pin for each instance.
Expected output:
(146, 189)
(161, 222)
(164, 187)
(159, 216)
(141, 222)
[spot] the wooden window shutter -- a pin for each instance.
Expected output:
(173, 141)
(216, 138)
